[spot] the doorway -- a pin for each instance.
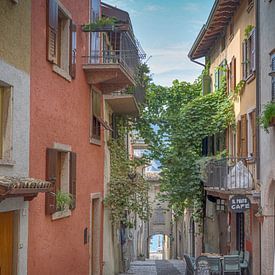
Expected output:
(7, 243)
(240, 231)
(95, 234)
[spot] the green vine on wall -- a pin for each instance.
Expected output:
(182, 118)
(128, 190)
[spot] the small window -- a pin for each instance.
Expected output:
(249, 55)
(220, 73)
(159, 217)
(5, 122)
(61, 170)
(61, 40)
(232, 75)
(96, 115)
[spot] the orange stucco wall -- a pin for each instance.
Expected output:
(60, 113)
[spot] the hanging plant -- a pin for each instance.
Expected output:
(103, 24)
(267, 119)
(248, 30)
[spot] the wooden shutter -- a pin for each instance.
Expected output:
(233, 73)
(52, 30)
(239, 138)
(72, 65)
(51, 174)
(253, 51)
(244, 136)
(73, 179)
(228, 78)
(254, 138)
(244, 59)
(96, 104)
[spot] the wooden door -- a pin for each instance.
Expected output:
(6, 242)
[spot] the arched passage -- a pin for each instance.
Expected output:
(159, 247)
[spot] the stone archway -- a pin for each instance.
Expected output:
(268, 229)
(159, 246)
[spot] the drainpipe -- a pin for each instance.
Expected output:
(258, 110)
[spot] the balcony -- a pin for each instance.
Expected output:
(122, 103)
(111, 70)
(230, 175)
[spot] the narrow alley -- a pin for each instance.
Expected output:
(158, 267)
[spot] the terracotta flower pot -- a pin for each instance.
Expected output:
(272, 122)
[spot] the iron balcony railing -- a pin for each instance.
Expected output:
(127, 59)
(230, 173)
(137, 92)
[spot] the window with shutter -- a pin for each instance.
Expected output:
(61, 40)
(251, 137)
(249, 55)
(52, 30)
(239, 140)
(61, 170)
(254, 133)
(244, 136)
(232, 74)
(72, 49)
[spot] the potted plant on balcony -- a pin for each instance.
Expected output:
(63, 200)
(267, 118)
(103, 24)
(259, 215)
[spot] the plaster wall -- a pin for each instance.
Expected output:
(60, 113)
(267, 141)
(233, 48)
(15, 42)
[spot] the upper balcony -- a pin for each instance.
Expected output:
(230, 175)
(113, 63)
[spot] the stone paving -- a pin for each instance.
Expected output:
(157, 267)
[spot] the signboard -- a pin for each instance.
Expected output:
(238, 204)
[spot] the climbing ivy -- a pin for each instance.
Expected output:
(174, 122)
(128, 190)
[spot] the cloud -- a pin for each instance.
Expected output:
(192, 7)
(126, 5)
(153, 8)
(172, 62)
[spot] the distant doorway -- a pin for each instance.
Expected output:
(159, 248)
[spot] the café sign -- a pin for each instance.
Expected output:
(239, 204)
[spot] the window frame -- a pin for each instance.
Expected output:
(61, 170)
(6, 132)
(249, 55)
(95, 119)
(272, 74)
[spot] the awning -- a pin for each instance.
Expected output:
(22, 186)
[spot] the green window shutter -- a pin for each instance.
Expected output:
(206, 84)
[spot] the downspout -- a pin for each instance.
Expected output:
(258, 111)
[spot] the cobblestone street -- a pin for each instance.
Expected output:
(158, 267)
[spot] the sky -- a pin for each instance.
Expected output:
(166, 30)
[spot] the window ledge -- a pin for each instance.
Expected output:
(62, 73)
(250, 78)
(95, 141)
(7, 162)
(61, 214)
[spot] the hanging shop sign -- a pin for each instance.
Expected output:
(239, 204)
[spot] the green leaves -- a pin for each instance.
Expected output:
(128, 191)
(173, 123)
